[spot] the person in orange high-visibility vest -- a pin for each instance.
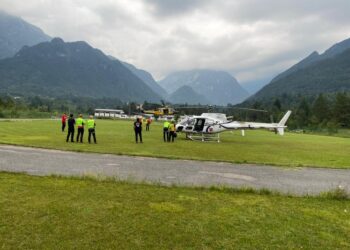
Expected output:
(148, 123)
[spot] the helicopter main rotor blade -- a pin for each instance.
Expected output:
(248, 109)
(218, 107)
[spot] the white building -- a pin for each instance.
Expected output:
(109, 113)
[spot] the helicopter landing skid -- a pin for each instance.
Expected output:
(204, 137)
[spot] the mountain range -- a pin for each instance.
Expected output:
(186, 95)
(317, 73)
(16, 33)
(147, 78)
(314, 57)
(59, 69)
(218, 87)
(31, 64)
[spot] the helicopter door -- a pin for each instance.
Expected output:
(199, 125)
(165, 111)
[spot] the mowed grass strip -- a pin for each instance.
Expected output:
(117, 137)
(64, 213)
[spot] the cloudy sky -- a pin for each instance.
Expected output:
(252, 39)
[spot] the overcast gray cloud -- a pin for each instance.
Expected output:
(252, 39)
(170, 8)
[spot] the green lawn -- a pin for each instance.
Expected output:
(63, 213)
(117, 137)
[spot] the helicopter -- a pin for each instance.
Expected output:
(161, 111)
(208, 126)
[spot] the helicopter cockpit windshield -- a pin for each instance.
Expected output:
(187, 121)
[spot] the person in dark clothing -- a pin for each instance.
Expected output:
(138, 129)
(71, 124)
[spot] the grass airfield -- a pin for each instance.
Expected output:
(70, 213)
(84, 213)
(117, 137)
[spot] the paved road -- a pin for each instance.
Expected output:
(183, 172)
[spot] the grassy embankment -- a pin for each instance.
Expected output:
(64, 213)
(117, 137)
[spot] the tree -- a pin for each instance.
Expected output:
(341, 111)
(277, 104)
(321, 109)
(303, 114)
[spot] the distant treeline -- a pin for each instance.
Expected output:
(15, 107)
(325, 111)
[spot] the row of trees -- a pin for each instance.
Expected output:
(13, 107)
(310, 112)
(324, 111)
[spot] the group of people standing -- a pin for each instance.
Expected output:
(169, 130)
(80, 124)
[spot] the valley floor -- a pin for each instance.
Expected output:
(257, 147)
(68, 213)
(88, 211)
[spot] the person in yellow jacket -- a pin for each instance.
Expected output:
(80, 124)
(91, 124)
(166, 131)
(172, 131)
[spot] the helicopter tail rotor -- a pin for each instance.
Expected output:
(140, 108)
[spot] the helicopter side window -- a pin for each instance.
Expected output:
(209, 122)
(165, 111)
(199, 125)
